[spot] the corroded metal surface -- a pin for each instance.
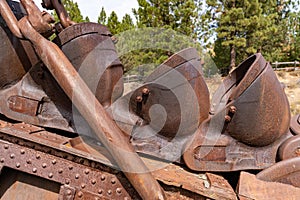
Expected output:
(290, 148)
(286, 171)
(295, 125)
(162, 114)
(208, 185)
(82, 179)
(251, 188)
(242, 128)
(177, 181)
(60, 11)
(106, 130)
(248, 120)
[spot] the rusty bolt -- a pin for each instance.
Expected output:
(139, 99)
(50, 175)
(100, 191)
(297, 152)
(113, 181)
(12, 156)
(28, 161)
(232, 109)
(34, 170)
(5, 146)
(109, 192)
(22, 151)
(60, 170)
(87, 171)
(82, 185)
(38, 156)
(70, 167)
(2, 160)
(44, 165)
(119, 190)
(53, 162)
(67, 181)
(77, 176)
(18, 165)
(80, 194)
(69, 192)
(93, 181)
(227, 118)
(145, 91)
(102, 177)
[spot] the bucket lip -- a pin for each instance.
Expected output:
(80, 29)
(246, 79)
(231, 88)
(178, 58)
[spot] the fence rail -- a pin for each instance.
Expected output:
(294, 63)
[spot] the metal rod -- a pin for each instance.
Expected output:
(10, 19)
(86, 103)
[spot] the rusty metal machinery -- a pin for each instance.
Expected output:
(66, 131)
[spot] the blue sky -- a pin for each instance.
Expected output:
(92, 8)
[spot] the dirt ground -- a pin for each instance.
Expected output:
(291, 80)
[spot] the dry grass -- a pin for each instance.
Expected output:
(291, 80)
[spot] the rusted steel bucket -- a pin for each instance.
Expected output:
(167, 109)
(96, 60)
(249, 119)
(257, 108)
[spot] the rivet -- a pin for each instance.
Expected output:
(93, 181)
(38, 156)
(34, 170)
(82, 185)
(227, 118)
(2, 160)
(102, 177)
(18, 165)
(87, 171)
(100, 191)
(44, 165)
(12, 156)
(145, 91)
(119, 190)
(232, 109)
(50, 175)
(60, 170)
(69, 192)
(53, 162)
(109, 192)
(70, 167)
(77, 176)
(28, 161)
(113, 181)
(80, 194)
(22, 151)
(67, 181)
(139, 99)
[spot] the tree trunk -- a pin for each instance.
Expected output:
(232, 57)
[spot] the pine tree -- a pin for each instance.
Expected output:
(102, 17)
(247, 27)
(113, 23)
(126, 23)
(73, 10)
